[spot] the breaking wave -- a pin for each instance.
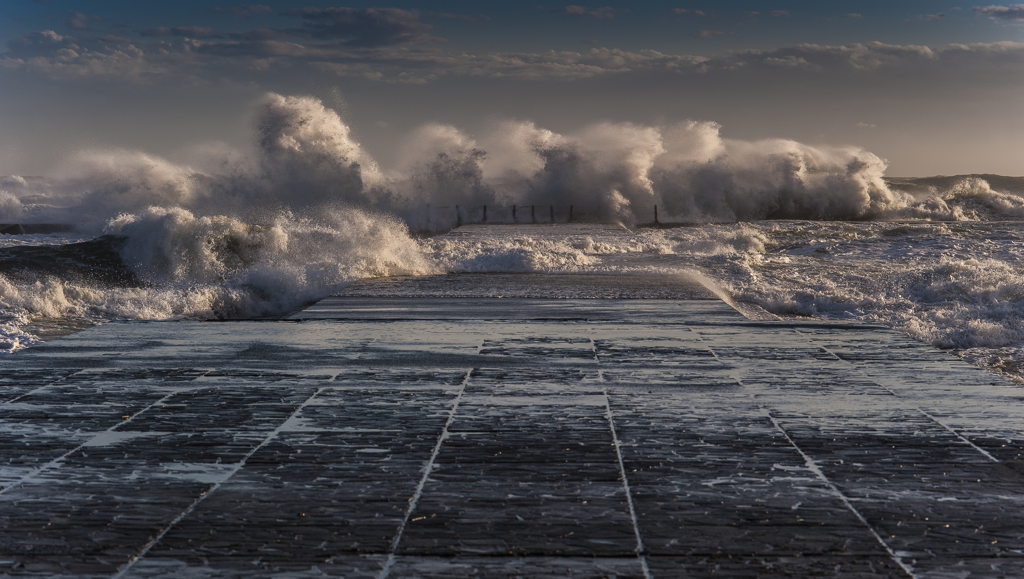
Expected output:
(306, 210)
(180, 265)
(304, 155)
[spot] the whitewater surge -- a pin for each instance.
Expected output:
(304, 155)
(209, 267)
(799, 230)
(956, 285)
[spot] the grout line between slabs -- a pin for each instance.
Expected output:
(237, 467)
(55, 462)
(952, 431)
(813, 467)
(423, 480)
(43, 387)
(640, 551)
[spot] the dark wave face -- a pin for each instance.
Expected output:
(97, 262)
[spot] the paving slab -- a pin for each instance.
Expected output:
(506, 437)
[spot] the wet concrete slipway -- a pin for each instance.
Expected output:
(483, 437)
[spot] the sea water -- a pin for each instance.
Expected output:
(801, 232)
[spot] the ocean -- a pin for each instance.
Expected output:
(783, 229)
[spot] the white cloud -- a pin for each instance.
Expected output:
(1014, 12)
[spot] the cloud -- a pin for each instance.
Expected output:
(709, 33)
(241, 55)
(870, 56)
(183, 31)
(43, 38)
(864, 125)
(244, 11)
(80, 21)
(688, 12)
(853, 16)
(58, 57)
(259, 34)
(365, 27)
(775, 13)
(934, 17)
(258, 49)
(465, 17)
(606, 13)
(1014, 12)
(406, 66)
(790, 61)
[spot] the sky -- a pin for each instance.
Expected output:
(935, 88)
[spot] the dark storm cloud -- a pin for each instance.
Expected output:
(244, 11)
(80, 21)
(265, 51)
(183, 31)
(878, 57)
(364, 27)
(1014, 12)
(605, 13)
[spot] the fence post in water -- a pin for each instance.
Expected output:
(570, 214)
(458, 217)
(552, 220)
(513, 214)
(485, 214)
(655, 214)
(533, 214)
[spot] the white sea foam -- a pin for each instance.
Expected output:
(307, 210)
(219, 267)
(305, 155)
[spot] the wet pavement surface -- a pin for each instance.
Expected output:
(483, 437)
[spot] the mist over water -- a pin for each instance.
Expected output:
(306, 210)
(304, 155)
